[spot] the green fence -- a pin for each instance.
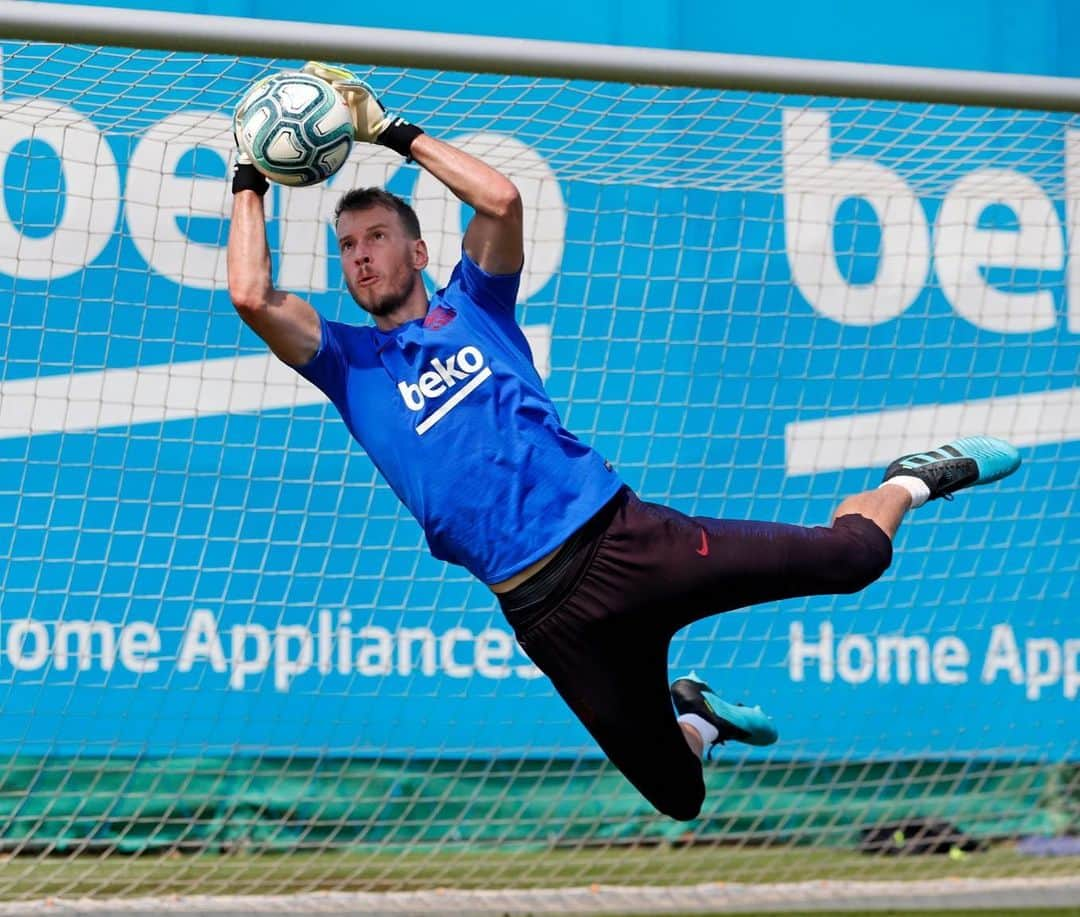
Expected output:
(72, 804)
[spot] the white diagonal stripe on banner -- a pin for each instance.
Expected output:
(173, 391)
(866, 440)
(170, 391)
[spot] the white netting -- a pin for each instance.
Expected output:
(220, 632)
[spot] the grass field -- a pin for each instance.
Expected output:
(1011, 912)
(24, 878)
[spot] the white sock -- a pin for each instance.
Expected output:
(920, 493)
(708, 732)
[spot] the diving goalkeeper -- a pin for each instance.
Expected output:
(442, 395)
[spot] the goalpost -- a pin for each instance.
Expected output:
(749, 282)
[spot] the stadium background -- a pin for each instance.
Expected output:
(1040, 37)
(1017, 569)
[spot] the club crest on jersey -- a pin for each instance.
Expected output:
(439, 317)
(458, 374)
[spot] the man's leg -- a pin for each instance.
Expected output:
(613, 676)
(885, 507)
(693, 738)
(709, 722)
(909, 482)
(913, 479)
(714, 565)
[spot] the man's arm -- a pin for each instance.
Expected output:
(494, 236)
(288, 324)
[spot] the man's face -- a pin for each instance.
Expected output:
(381, 263)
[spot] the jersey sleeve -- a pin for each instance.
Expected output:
(497, 292)
(328, 369)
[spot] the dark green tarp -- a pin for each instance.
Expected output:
(67, 804)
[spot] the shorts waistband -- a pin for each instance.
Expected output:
(525, 604)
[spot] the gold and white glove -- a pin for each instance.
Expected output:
(245, 176)
(371, 122)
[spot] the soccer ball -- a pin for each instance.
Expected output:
(296, 128)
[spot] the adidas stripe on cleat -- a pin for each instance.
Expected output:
(967, 462)
(734, 722)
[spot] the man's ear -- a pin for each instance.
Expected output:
(420, 255)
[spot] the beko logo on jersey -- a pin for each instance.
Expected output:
(444, 375)
(441, 377)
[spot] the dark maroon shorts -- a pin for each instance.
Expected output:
(598, 619)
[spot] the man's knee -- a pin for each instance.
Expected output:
(684, 806)
(673, 783)
(865, 552)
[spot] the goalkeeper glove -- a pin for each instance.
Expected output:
(246, 177)
(371, 122)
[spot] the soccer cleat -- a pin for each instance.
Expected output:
(966, 462)
(734, 722)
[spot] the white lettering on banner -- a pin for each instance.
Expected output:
(157, 198)
(494, 648)
(447, 644)
(247, 661)
(22, 632)
(1002, 655)
(422, 636)
(84, 633)
(90, 206)
(33, 645)
(325, 641)
(1071, 681)
(962, 251)
(800, 652)
(376, 656)
(1041, 662)
(1043, 665)
(289, 665)
(139, 641)
(344, 637)
(951, 658)
(815, 185)
(855, 659)
(249, 652)
(201, 641)
(901, 651)
(293, 651)
(252, 655)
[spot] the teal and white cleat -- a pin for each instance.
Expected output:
(967, 462)
(734, 722)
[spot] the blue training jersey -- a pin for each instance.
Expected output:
(454, 415)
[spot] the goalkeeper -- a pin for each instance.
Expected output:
(442, 395)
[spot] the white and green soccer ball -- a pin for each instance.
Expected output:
(296, 128)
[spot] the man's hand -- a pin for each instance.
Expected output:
(371, 122)
(369, 116)
(245, 176)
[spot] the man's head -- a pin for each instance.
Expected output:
(382, 253)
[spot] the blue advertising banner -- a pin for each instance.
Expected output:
(749, 304)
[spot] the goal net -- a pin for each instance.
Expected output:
(220, 634)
